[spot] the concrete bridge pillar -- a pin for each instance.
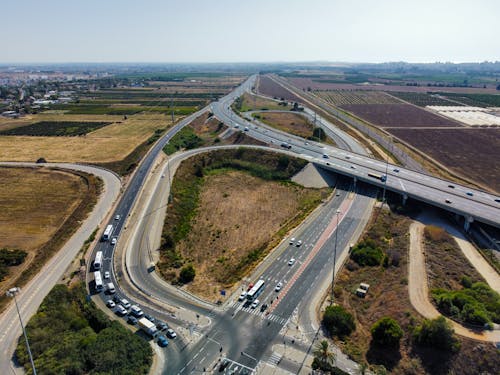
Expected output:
(355, 179)
(467, 222)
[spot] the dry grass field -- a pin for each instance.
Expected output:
(111, 143)
(255, 103)
(41, 208)
(289, 122)
(237, 214)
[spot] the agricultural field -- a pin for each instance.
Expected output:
(318, 84)
(470, 152)
(214, 229)
(343, 97)
(40, 226)
(398, 115)
(388, 297)
(107, 144)
(270, 88)
(476, 100)
(61, 128)
(423, 99)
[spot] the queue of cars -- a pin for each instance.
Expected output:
(136, 316)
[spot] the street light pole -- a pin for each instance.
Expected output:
(335, 255)
(12, 293)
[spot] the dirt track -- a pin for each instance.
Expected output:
(418, 288)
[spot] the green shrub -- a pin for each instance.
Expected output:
(70, 335)
(436, 333)
(9, 258)
(477, 304)
(187, 274)
(338, 321)
(366, 253)
(386, 332)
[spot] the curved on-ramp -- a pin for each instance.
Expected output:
(33, 293)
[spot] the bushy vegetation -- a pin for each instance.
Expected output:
(97, 109)
(186, 138)
(386, 332)
(338, 321)
(476, 303)
(436, 333)
(367, 253)
(70, 335)
(56, 128)
(9, 258)
(187, 274)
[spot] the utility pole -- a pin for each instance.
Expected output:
(12, 293)
(335, 255)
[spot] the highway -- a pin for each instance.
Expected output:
(241, 321)
(242, 334)
(471, 203)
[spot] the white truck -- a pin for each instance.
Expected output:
(148, 327)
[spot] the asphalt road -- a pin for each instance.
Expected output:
(34, 292)
(475, 205)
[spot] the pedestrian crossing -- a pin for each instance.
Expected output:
(275, 359)
(263, 314)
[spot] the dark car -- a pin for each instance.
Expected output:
(150, 318)
(161, 326)
(117, 298)
(162, 341)
(223, 365)
(263, 307)
(132, 320)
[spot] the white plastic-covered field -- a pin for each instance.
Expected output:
(469, 115)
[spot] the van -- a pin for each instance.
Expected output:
(111, 288)
(136, 311)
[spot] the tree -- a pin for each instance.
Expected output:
(386, 332)
(323, 357)
(338, 322)
(187, 274)
(437, 333)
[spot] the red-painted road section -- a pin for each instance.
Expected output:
(344, 209)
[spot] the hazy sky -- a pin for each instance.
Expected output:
(249, 30)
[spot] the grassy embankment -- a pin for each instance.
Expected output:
(457, 289)
(39, 216)
(229, 209)
(70, 335)
(388, 296)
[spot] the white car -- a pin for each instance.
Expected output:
(106, 275)
(125, 303)
(171, 334)
(110, 303)
(291, 262)
(255, 304)
(113, 241)
(120, 310)
(117, 217)
(292, 240)
(278, 287)
(242, 296)
(299, 242)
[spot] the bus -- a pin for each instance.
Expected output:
(98, 281)
(98, 260)
(256, 290)
(382, 177)
(107, 233)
